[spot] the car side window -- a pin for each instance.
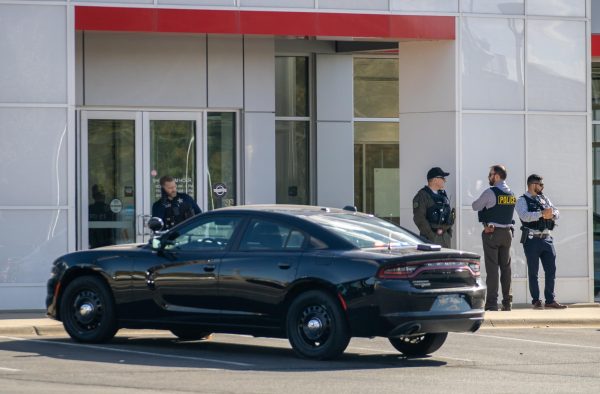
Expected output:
(213, 234)
(267, 235)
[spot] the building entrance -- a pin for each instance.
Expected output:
(123, 155)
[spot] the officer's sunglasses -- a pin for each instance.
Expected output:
(538, 183)
(442, 178)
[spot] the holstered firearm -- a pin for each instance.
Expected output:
(524, 234)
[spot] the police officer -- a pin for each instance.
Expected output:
(431, 209)
(495, 207)
(173, 207)
(538, 217)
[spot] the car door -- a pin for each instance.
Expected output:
(184, 283)
(253, 279)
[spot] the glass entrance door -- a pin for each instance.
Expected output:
(123, 156)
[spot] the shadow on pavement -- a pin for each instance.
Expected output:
(174, 353)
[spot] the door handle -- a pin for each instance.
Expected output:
(209, 267)
(284, 266)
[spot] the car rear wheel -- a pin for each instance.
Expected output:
(190, 335)
(316, 326)
(419, 345)
(87, 310)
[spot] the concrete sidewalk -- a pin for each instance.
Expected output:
(522, 316)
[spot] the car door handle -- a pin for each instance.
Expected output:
(209, 267)
(284, 266)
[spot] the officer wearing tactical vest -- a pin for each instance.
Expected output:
(495, 208)
(431, 209)
(539, 217)
(173, 207)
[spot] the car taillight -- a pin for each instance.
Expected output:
(407, 271)
(396, 272)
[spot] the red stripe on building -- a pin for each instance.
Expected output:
(595, 44)
(310, 24)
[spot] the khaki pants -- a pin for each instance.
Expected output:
(496, 250)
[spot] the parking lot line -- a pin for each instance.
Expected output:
(532, 341)
(9, 369)
(111, 349)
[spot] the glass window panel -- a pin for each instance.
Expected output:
(556, 7)
(376, 88)
(34, 156)
(173, 153)
(493, 74)
(596, 132)
(376, 169)
(266, 235)
(596, 92)
(291, 86)
(556, 66)
(369, 132)
(221, 151)
(292, 168)
(214, 235)
(493, 6)
(36, 237)
(111, 182)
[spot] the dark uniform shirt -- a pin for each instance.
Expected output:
(176, 210)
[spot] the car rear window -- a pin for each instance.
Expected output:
(365, 231)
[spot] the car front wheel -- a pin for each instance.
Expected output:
(316, 326)
(87, 310)
(419, 345)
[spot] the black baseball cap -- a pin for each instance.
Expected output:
(436, 172)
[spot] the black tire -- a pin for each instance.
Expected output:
(316, 326)
(87, 310)
(419, 345)
(190, 335)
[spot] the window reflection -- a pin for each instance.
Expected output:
(376, 88)
(221, 148)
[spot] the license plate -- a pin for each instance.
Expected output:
(450, 303)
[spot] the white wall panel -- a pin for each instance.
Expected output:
(33, 48)
(223, 3)
(278, 3)
(335, 164)
(427, 76)
(79, 68)
(568, 290)
(417, 157)
(556, 65)
(492, 63)
(355, 4)
(34, 156)
(557, 150)
(488, 140)
(334, 88)
(225, 72)
(425, 5)
(557, 7)
(259, 71)
(514, 7)
(259, 165)
(145, 70)
(570, 242)
(35, 239)
(22, 297)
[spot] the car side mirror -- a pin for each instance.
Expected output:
(155, 224)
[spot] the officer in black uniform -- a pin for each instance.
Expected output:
(495, 207)
(431, 209)
(538, 217)
(173, 207)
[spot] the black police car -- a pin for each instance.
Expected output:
(317, 276)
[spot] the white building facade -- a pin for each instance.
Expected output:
(324, 102)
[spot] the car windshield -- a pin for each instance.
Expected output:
(366, 231)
